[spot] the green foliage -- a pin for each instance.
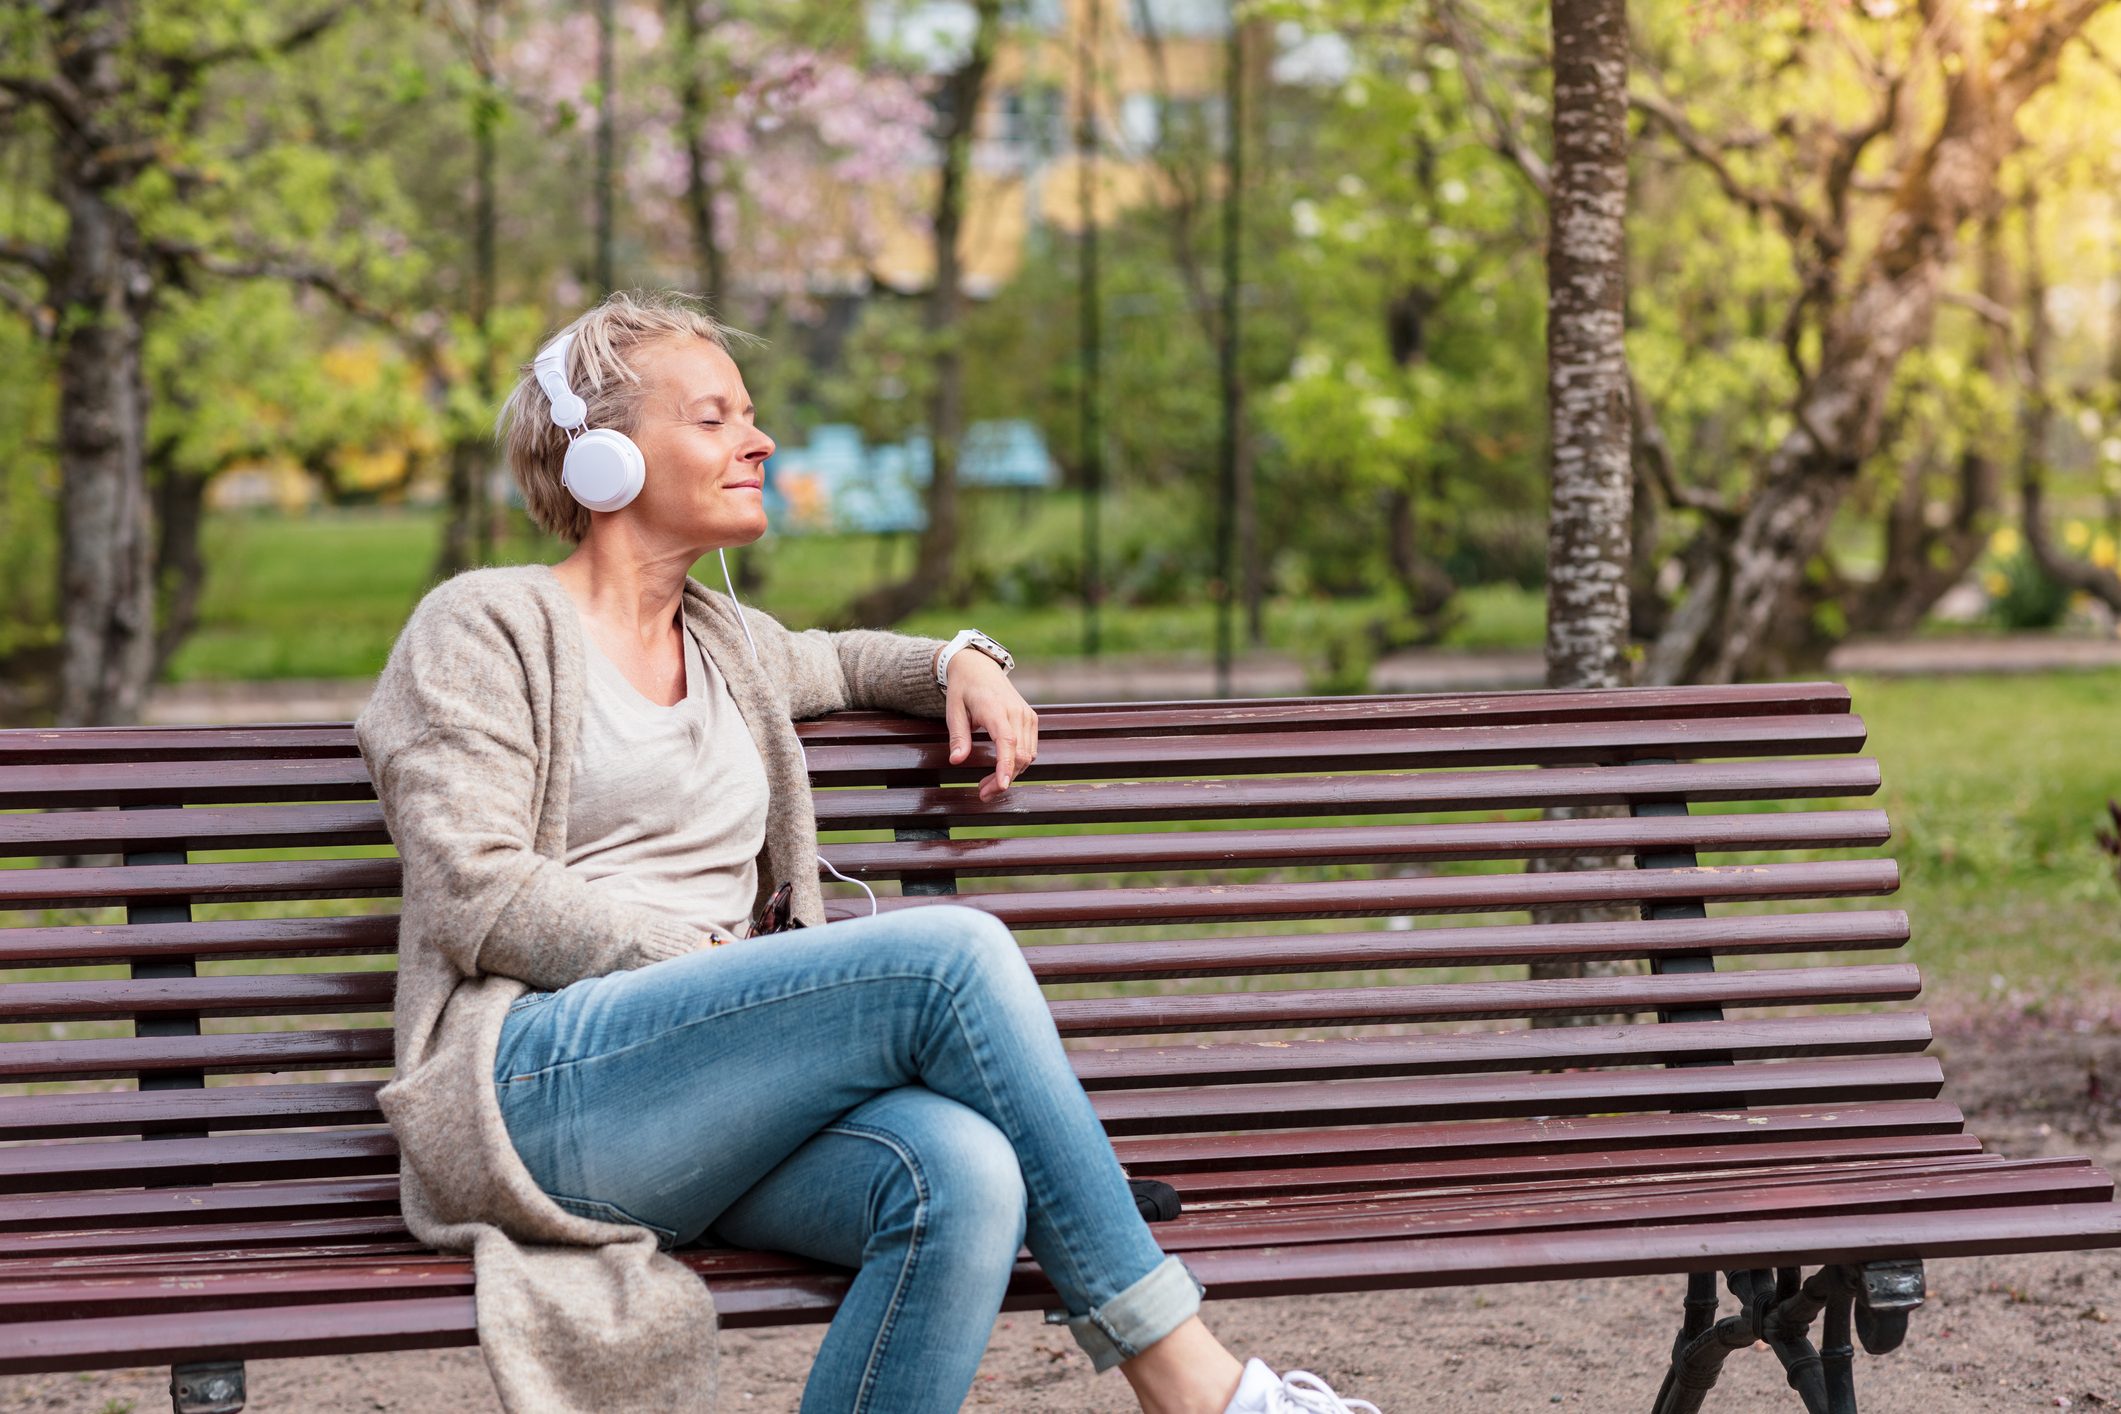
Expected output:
(2029, 599)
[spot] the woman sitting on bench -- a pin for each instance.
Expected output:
(591, 772)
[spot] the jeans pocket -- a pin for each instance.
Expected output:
(598, 1211)
(527, 999)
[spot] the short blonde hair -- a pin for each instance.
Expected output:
(599, 373)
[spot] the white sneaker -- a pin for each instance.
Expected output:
(1261, 1391)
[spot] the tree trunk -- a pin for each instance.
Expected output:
(1924, 560)
(1591, 505)
(1428, 589)
(935, 557)
(103, 280)
(2035, 413)
(1741, 601)
(180, 568)
(468, 532)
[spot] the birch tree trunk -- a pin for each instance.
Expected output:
(1592, 487)
(1591, 504)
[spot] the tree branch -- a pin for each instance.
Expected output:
(1654, 454)
(43, 319)
(184, 69)
(277, 265)
(55, 94)
(1504, 138)
(1797, 222)
(21, 252)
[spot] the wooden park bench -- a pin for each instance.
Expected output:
(217, 1185)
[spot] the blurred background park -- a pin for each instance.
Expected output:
(1204, 346)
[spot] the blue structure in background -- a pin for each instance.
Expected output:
(837, 484)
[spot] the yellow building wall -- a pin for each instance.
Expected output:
(998, 207)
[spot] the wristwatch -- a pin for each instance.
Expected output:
(969, 638)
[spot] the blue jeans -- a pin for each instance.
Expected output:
(887, 1094)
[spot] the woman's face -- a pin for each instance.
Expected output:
(705, 456)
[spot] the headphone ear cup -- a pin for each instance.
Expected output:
(604, 470)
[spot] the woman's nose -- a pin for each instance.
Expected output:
(760, 449)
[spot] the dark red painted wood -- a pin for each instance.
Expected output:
(1390, 1143)
(1313, 1058)
(102, 943)
(1361, 844)
(1377, 748)
(1032, 801)
(1396, 1101)
(1496, 945)
(1480, 1001)
(276, 994)
(1369, 898)
(225, 1107)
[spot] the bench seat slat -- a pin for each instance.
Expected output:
(1361, 844)
(1983, 1181)
(1074, 962)
(1373, 898)
(368, 1196)
(255, 1106)
(1036, 802)
(67, 1115)
(74, 1164)
(225, 1053)
(1124, 1067)
(1536, 705)
(289, 826)
(1210, 1185)
(925, 760)
(1385, 1143)
(102, 944)
(185, 742)
(1481, 1001)
(280, 1328)
(273, 994)
(197, 1203)
(1494, 945)
(921, 760)
(1296, 1103)
(220, 1054)
(1989, 1186)
(258, 880)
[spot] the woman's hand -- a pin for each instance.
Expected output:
(981, 696)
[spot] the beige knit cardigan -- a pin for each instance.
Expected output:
(470, 738)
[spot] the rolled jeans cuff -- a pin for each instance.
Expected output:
(1138, 1317)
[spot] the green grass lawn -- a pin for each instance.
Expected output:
(323, 596)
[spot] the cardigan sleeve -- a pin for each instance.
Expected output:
(449, 738)
(828, 671)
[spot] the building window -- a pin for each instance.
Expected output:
(1033, 121)
(1182, 19)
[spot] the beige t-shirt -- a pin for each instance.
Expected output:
(668, 804)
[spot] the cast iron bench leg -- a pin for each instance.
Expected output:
(210, 1387)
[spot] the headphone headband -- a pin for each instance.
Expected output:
(550, 369)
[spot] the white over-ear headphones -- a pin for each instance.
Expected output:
(604, 470)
